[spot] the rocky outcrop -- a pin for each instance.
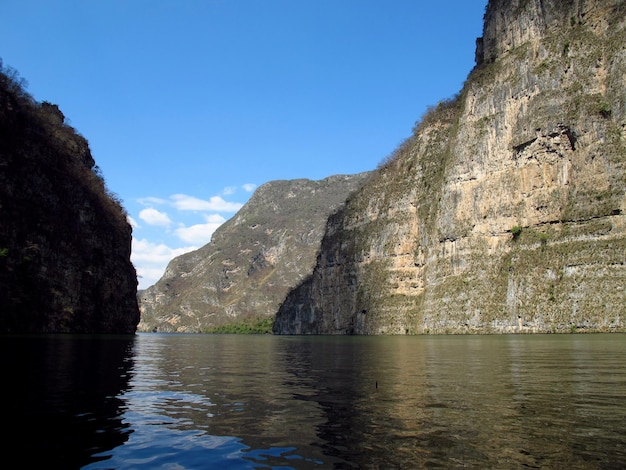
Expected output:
(504, 212)
(252, 261)
(64, 240)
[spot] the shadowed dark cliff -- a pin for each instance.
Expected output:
(64, 240)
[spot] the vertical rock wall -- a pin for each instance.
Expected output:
(506, 207)
(64, 241)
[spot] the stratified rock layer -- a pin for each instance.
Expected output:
(504, 211)
(252, 261)
(64, 241)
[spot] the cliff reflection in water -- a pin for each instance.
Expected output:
(227, 401)
(376, 402)
(60, 398)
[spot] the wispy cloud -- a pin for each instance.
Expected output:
(184, 202)
(133, 223)
(150, 201)
(150, 259)
(200, 234)
(152, 216)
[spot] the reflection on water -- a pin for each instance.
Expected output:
(222, 401)
(61, 398)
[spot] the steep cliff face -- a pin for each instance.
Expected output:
(64, 242)
(252, 261)
(505, 210)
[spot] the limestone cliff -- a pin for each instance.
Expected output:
(64, 240)
(252, 261)
(505, 210)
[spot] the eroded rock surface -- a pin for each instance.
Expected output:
(505, 211)
(252, 261)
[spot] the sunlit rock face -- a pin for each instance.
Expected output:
(64, 239)
(252, 261)
(505, 211)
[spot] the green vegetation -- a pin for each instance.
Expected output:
(445, 111)
(604, 109)
(566, 48)
(253, 326)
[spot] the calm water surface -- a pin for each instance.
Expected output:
(157, 401)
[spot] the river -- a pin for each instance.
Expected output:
(158, 401)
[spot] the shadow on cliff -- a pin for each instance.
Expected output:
(290, 315)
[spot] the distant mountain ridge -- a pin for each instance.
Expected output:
(252, 261)
(504, 212)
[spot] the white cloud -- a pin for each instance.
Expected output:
(147, 277)
(184, 202)
(200, 234)
(154, 217)
(149, 201)
(133, 223)
(150, 260)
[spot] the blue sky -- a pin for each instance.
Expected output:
(189, 105)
